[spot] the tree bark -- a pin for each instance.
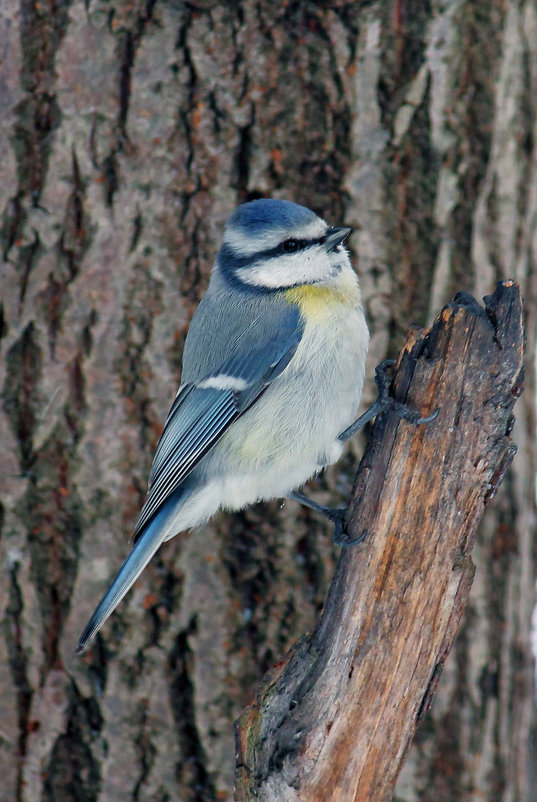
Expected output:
(335, 719)
(129, 130)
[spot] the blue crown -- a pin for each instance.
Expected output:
(260, 215)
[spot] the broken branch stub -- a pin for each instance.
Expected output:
(334, 719)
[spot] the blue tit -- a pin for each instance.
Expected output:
(273, 369)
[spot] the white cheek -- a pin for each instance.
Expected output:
(316, 266)
(303, 268)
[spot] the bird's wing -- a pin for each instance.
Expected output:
(202, 411)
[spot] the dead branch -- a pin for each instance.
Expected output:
(334, 719)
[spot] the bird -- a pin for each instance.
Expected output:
(272, 375)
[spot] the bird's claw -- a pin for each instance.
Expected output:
(341, 537)
(387, 403)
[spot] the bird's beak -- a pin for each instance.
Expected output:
(335, 236)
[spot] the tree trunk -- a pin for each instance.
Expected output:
(128, 132)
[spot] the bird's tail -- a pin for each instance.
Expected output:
(158, 530)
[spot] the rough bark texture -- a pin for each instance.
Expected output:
(128, 131)
(334, 720)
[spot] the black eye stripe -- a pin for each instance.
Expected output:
(230, 261)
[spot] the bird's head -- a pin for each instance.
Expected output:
(276, 244)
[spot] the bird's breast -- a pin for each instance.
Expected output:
(319, 303)
(317, 395)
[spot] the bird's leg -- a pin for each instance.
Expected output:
(334, 514)
(384, 403)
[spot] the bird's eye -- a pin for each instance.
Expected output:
(291, 245)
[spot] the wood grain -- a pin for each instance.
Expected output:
(335, 718)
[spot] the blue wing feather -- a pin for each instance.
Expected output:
(200, 416)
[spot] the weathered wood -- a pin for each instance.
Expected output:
(333, 721)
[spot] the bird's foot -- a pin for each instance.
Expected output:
(337, 515)
(385, 403)
(342, 538)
